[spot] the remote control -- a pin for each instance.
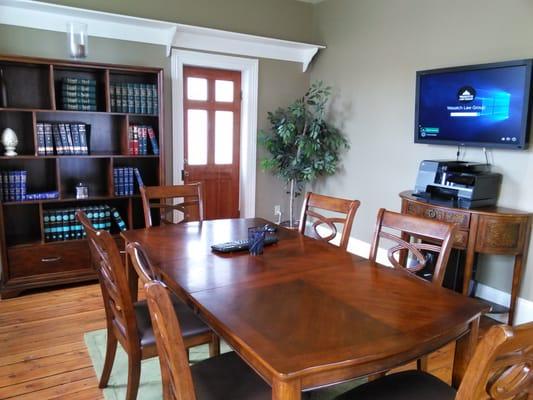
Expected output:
(239, 245)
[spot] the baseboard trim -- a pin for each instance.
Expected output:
(524, 307)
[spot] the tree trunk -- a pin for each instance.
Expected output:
(291, 204)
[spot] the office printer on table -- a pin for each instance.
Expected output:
(457, 183)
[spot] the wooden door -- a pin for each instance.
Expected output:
(212, 117)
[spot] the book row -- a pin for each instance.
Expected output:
(138, 98)
(62, 138)
(13, 187)
(138, 136)
(78, 94)
(61, 224)
(124, 180)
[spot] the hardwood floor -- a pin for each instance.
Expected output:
(43, 355)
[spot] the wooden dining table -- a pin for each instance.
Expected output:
(305, 313)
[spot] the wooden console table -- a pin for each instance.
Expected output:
(487, 230)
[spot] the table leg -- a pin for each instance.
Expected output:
(286, 390)
(470, 254)
(464, 350)
(517, 278)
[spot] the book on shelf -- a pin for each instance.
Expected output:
(48, 140)
(62, 138)
(54, 194)
(41, 143)
(78, 94)
(124, 179)
(138, 136)
(61, 224)
(138, 98)
(14, 184)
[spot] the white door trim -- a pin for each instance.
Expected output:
(249, 82)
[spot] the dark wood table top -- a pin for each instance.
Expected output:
(305, 310)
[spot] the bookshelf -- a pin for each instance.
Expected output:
(35, 88)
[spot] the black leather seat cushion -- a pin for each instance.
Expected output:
(227, 377)
(190, 323)
(408, 385)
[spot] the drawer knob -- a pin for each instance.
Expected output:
(431, 213)
(50, 259)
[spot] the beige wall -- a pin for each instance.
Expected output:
(284, 19)
(374, 49)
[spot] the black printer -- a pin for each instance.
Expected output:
(457, 183)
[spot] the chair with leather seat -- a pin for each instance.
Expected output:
(418, 237)
(128, 322)
(217, 378)
(314, 202)
(430, 236)
(501, 368)
(147, 273)
(162, 198)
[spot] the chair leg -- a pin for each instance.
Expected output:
(214, 345)
(134, 376)
(422, 363)
(111, 350)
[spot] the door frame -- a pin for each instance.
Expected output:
(249, 69)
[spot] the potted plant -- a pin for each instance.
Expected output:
(302, 144)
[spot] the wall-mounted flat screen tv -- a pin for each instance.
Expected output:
(484, 105)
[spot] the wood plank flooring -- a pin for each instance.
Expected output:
(43, 355)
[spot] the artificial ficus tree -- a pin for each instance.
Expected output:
(303, 146)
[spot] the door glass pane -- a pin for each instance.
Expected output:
(196, 137)
(197, 89)
(223, 137)
(224, 91)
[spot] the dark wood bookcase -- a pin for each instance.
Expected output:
(34, 89)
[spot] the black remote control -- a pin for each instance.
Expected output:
(239, 245)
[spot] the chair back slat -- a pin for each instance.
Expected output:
(314, 202)
(429, 236)
(502, 366)
(163, 198)
(111, 273)
(175, 371)
(141, 262)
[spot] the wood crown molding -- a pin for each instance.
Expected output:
(53, 17)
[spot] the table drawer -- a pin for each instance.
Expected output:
(431, 212)
(48, 258)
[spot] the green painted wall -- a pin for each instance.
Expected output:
(284, 19)
(374, 48)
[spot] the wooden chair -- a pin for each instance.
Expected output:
(147, 273)
(439, 235)
(191, 207)
(127, 322)
(218, 378)
(501, 368)
(313, 201)
(433, 236)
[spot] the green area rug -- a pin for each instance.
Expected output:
(150, 387)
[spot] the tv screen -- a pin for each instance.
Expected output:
(482, 105)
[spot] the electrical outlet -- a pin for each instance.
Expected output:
(277, 209)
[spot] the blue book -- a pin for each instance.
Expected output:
(115, 181)
(138, 177)
(46, 225)
(118, 219)
(153, 141)
(129, 180)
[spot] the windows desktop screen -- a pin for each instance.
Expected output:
(473, 106)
